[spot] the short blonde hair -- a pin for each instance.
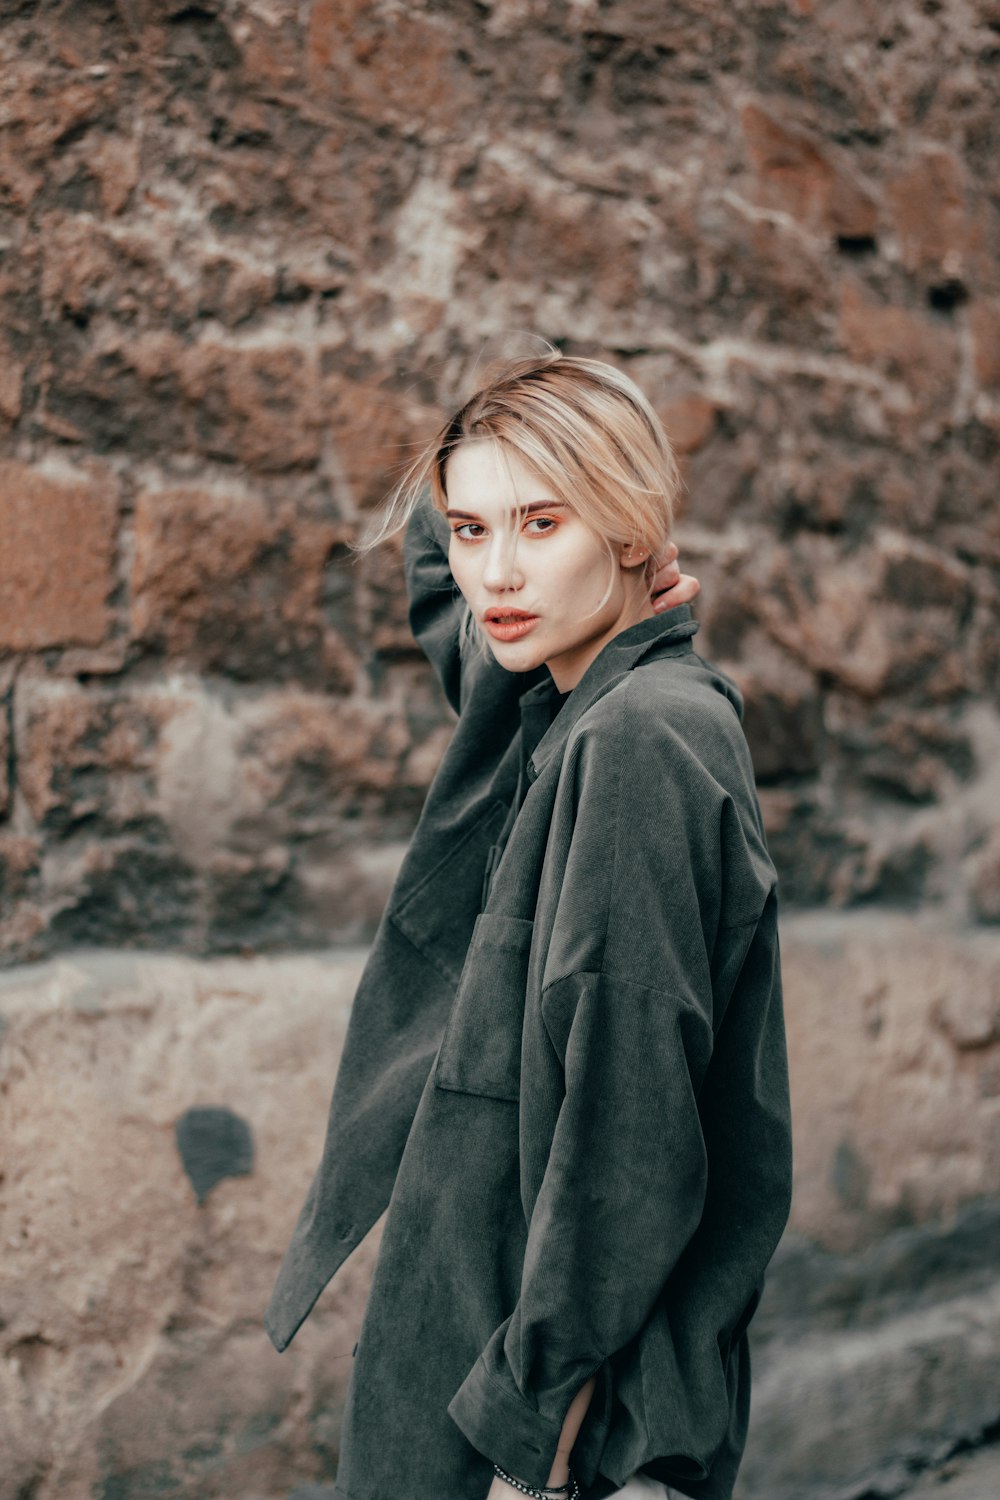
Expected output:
(580, 425)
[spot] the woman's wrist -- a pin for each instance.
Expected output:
(559, 1473)
(568, 1490)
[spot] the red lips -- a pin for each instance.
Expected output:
(508, 624)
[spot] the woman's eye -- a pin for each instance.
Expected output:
(547, 523)
(467, 527)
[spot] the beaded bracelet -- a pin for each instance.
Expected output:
(568, 1491)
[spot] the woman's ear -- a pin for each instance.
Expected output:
(633, 556)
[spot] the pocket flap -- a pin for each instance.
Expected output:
(480, 1051)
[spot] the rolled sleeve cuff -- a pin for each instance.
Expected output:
(504, 1428)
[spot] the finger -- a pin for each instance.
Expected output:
(683, 591)
(665, 577)
(668, 555)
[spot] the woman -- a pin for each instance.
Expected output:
(565, 1070)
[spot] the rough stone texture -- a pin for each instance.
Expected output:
(57, 547)
(251, 252)
(219, 583)
(134, 1362)
(894, 1046)
(227, 820)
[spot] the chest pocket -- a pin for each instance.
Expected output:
(480, 1051)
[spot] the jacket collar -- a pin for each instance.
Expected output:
(666, 634)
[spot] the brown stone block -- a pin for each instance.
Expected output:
(891, 1019)
(123, 891)
(19, 865)
(80, 267)
(912, 755)
(88, 757)
(270, 50)
(121, 391)
(590, 252)
(11, 383)
(114, 161)
(984, 887)
(781, 718)
(923, 355)
(231, 290)
(42, 107)
(376, 431)
(134, 271)
(57, 549)
(760, 272)
(832, 611)
(254, 406)
(818, 854)
(23, 918)
(310, 759)
(386, 585)
(798, 175)
(221, 580)
(940, 238)
(984, 318)
(393, 66)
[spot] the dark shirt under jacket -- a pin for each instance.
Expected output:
(573, 1096)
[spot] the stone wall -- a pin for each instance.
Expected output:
(248, 251)
(163, 1117)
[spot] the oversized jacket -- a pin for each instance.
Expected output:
(565, 1075)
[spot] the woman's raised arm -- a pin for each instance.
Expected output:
(435, 603)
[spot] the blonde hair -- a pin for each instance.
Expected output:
(580, 425)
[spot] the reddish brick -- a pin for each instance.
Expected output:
(936, 231)
(80, 267)
(88, 757)
(22, 919)
(798, 176)
(114, 162)
(836, 618)
(391, 65)
(257, 406)
(220, 580)
(984, 318)
(11, 381)
(906, 346)
(375, 431)
(57, 549)
(589, 252)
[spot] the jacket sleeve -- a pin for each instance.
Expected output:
(643, 979)
(435, 604)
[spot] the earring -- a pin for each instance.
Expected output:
(635, 554)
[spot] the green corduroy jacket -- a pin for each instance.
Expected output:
(565, 1076)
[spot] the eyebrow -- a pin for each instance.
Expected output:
(528, 510)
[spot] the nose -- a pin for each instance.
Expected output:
(501, 571)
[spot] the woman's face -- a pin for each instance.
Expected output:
(542, 605)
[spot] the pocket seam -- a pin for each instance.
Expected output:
(519, 944)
